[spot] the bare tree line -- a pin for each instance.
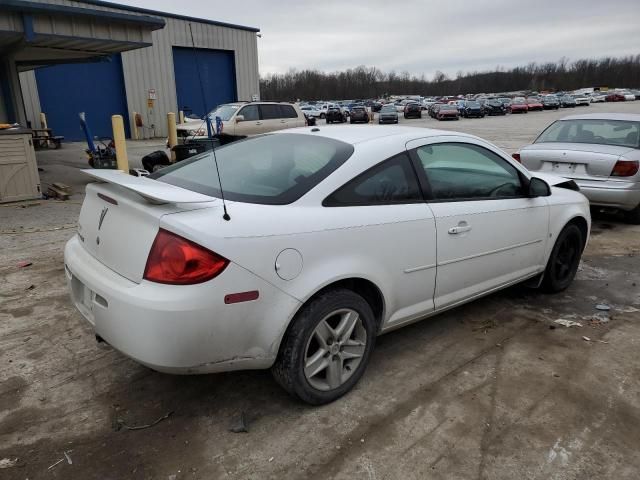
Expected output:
(370, 82)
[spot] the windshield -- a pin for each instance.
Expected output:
(225, 112)
(448, 107)
(620, 133)
(388, 108)
(472, 104)
(268, 169)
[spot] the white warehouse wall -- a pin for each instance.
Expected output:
(152, 67)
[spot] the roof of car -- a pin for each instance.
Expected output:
(355, 134)
(633, 117)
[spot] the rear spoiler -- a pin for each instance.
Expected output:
(151, 190)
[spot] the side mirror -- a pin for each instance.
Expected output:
(538, 188)
(239, 118)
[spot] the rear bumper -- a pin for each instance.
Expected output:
(624, 196)
(180, 329)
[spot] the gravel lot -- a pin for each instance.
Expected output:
(489, 390)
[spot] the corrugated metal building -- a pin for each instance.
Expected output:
(166, 74)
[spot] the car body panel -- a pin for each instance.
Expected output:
(181, 330)
(590, 165)
(190, 328)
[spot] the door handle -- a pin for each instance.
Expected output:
(283, 121)
(258, 123)
(461, 228)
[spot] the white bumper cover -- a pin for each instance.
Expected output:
(180, 329)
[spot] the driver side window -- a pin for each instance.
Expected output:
(250, 113)
(461, 171)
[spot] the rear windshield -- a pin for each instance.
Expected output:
(622, 133)
(268, 169)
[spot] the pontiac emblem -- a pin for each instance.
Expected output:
(102, 215)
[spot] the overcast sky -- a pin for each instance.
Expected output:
(423, 36)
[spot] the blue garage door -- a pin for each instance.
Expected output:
(94, 88)
(218, 74)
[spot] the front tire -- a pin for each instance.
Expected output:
(326, 348)
(564, 259)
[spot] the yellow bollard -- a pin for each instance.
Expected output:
(134, 125)
(117, 123)
(181, 116)
(173, 134)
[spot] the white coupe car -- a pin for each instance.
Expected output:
(330, 237)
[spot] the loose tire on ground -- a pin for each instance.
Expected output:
(296, 359)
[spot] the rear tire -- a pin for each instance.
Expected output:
(326, 348)
(633, 216)
(564, 259)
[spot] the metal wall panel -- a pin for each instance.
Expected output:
(11, 22)
(152, 67)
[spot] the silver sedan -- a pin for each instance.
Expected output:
(600, 152)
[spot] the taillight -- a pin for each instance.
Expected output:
(625, 168)
(178, 261)
(516, 157)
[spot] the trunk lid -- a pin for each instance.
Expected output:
(120, 219)
(580, 161)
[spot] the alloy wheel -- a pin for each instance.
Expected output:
(334, 349)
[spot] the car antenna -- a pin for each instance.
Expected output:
(226, 215)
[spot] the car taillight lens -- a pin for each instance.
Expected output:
(178, 261)
(625, 168)
(516, 157)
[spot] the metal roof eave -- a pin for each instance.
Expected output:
(101, 3)
(22, 6)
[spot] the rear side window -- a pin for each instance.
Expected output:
(271, 169)
(390, 182)
(287, 111)
(270, 112)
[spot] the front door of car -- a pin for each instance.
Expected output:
(251, 124)
(489, 233)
